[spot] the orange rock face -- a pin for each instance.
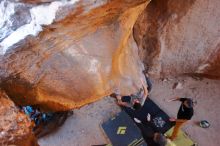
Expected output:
(15, 127)
(180, 37)
(92, 53)
(76, 61)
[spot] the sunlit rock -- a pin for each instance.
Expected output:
(78, 60)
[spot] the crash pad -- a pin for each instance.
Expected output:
(181, 140)
(122, 131)
(159, 119)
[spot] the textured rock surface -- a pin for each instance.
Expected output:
(180, 37)
(21, 19)
(88, 55)
(15, 127)
(91, 53)
(36, 1)
(12, 16)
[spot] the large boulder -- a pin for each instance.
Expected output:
(78, 60)
(180, 37)
(15, 126)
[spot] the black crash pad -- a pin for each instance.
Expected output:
(122, 131)
(155, 112)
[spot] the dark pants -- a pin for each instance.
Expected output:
(126, 99)
(148, 133)
(147, 130)
(176, 128)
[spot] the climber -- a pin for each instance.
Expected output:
(185, 113)
(129, 101)
(134, 101)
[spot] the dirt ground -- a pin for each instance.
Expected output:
(83, 128)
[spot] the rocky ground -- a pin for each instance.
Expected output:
(15, 126)
(83, 128)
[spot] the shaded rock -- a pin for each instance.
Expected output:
(213, 68)
(178, 37)
(37, 1)
(21, 16)
(13, 16)
(15, 126)
(77, 60)
(164, 80)
(178, 85)
(41, 16)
